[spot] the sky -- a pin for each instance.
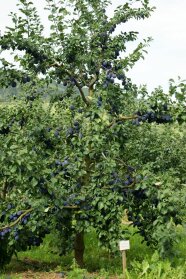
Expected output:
(166, 56)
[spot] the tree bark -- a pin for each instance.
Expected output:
(79, 248)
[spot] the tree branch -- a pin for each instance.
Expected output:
(17, 221)
(122, 118)
(125, 187)
(91, 85)
(75, 80)
(28, 211)
(81, 92)
(71, 207)
(5, 187)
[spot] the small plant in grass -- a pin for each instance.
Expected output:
(77, 272)
(155, 268)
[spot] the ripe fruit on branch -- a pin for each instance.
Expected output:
(106, 65)
(13, 84)
(72, 107)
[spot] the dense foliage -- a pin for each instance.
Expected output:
(98, 147)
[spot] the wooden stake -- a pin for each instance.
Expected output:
(124, 261)
(123, 246)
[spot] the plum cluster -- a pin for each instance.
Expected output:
(104, 35)
(151, 117)
(30, 98)
(113, 72)
(99, 101)
(73, 109)
(117, 181)
(122, 77)
(106, 65)
(112, 28)
(4, 213)
(110, 78)
(74, 130)
(4, 233)
(34, 240)
(22, 236)
(67, 80)
(14, 216)
(9, 206)
(58, 167)
(24, 79)
(28, 238)
(5, 129)
(24, 220)
(43, 186)
(16, 234)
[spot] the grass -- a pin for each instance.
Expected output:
(142, 262)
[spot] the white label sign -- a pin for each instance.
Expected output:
(124, 245)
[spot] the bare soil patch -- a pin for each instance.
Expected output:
(34, 275)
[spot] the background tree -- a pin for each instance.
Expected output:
(73, 164)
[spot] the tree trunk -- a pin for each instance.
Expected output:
(79, 248)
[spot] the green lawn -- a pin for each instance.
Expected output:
(142, 261)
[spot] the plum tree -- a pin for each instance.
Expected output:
(73, 164)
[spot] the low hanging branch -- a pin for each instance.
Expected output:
(30, 210)
(18, 220)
